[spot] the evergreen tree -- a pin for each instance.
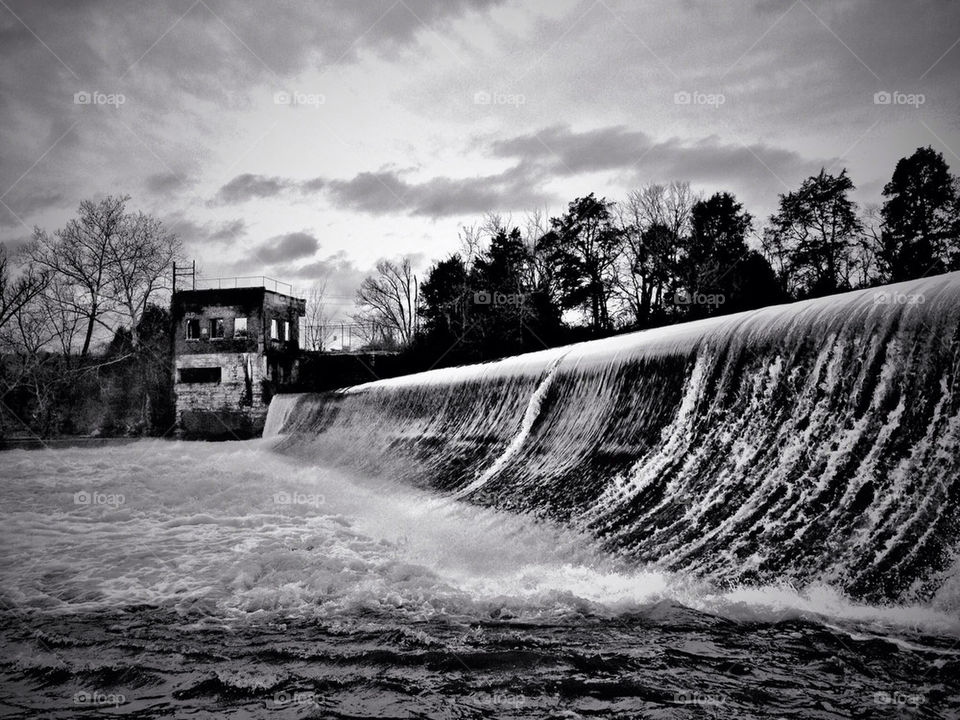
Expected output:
(919, 218)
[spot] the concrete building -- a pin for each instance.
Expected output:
(233, 347)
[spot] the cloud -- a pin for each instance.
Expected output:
(386, 192)
(567, 153)
(196, 234)
(312, 186)
(284, 248)
(164, 183)
(559, 150)
(248, 187)
(25, 204)
(632, 156)
(229, 231)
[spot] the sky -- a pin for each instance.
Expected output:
(308, 140)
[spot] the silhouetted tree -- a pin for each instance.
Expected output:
(919, 231)
(388, 299)
(714, 251)
(444, 298)
(584, 246)
(812, 236)
(654, 222)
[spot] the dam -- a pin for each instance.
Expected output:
(752, 516)
(816, 441)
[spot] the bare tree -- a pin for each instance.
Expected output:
(18, 286)
(108, 265)
(471, 243)
(868, 247)
(654, 220)
(82, 253)
(388, 299)
(140, 256)
(61, 308)
(317, 316)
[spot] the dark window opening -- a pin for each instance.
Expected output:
(200, 375)
(216, 329)
(193, 329)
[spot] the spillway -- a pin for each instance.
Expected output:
(816, 441)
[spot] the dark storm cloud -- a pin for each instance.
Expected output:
(252, 187)
(386, 192)
(569, 153)
(196, 235)
(25, 204)
(285, 248)
(164, 183)
(229, 231)
(312, 186)
(561, 151)
(248, 187)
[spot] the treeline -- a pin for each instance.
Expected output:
(664, 255)
(101, 276)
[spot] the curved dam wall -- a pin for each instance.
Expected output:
(811, 442)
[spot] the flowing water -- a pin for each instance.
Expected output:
(754, 516)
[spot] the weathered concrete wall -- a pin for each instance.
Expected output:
(235, 406)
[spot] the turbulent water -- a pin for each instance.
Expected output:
(746, 517)
(813, 441)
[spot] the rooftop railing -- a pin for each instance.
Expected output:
(244, 282)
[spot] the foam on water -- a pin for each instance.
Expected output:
(235, 531)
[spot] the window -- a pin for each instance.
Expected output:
(240, 327)
(286, 330)
(193, 329)
(274, 329)
(200, 375)
(216, 329)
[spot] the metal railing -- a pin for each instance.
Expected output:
(244, 281)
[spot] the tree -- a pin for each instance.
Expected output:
(317, 316)
(109, 265)
(583, 246)
(715, 249)
(654, 222)
(81, 253)
(813, 235)
(140, 255)
(388, 299)
(18, 286)
(445, 297)
(919, 229)
(517, 314)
